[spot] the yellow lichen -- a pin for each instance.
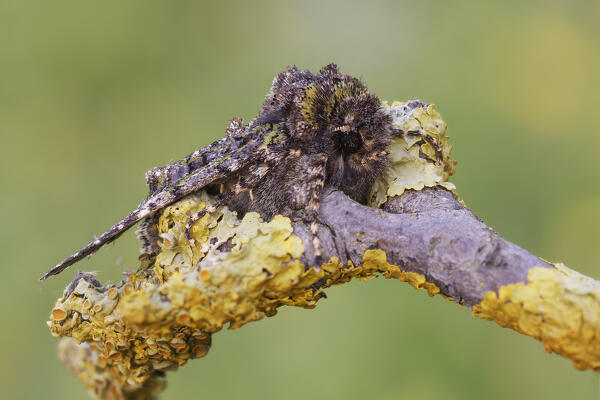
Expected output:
(377, 260)
(162, 315)
(559, 307)
(408, 168)
(119, 337)
(82, 360)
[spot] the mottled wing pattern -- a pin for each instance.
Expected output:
(313, 130)
(177, 180)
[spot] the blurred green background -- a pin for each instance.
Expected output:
(93, 94)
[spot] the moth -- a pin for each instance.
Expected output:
(313, 130)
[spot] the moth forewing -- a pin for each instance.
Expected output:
(313, 130)
(165, 194)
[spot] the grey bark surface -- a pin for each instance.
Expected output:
(428, 232)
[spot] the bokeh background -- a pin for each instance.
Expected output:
(93, 94)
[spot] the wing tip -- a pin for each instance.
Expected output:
(48, 274)
(58, 268)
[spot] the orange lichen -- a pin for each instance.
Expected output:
(112, 293)
(205, 275)
(58, 315)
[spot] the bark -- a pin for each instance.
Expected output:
(428, 232)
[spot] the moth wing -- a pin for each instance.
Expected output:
(251, 152)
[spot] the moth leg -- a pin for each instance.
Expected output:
(397, 132)
(195, 218)
(314, 181)
(147, 233)
(316, 242)
(429, 139)
(207, 210)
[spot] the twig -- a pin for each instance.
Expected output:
(240, 271)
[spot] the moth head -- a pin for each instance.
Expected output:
(360, 125)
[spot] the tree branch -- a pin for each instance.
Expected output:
(428, 232)
(120, 338)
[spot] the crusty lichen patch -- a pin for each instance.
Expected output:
(414, 162)
(83, 362)
(376, 260)
(162, 315)
(559, 307)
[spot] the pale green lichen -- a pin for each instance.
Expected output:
(408, 168)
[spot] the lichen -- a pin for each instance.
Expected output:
(120, 337)
(83, 362)
(559, 307)
(376, 260)
(412, 163)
